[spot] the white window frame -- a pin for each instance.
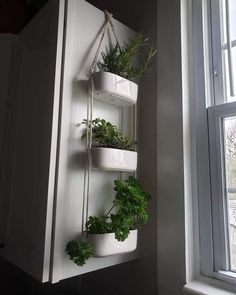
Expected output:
(201, 93)
(216, 51)
(216, 115)
(204, 66)
(217, 111)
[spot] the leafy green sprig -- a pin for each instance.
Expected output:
(79, 252)
(124, 60)
(107, 135)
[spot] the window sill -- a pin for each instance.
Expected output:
(209, 286)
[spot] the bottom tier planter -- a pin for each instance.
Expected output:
(114, 159)
(106, 244)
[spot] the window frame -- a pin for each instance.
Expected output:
(214, 258)
(198, 57)
(216, 115)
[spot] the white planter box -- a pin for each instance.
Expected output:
(106, 244)
(114, 159)
(114, 89)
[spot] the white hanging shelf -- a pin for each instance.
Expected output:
(114, 159)
(106, 244)
(114, 89)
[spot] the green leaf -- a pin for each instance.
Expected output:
(79, 252)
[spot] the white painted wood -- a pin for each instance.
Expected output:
(54, 137)
(114, 159)
(217, 189)
(189, 133)
(106, 244)
(217, 66)
(199, 120)
(83, 24)
(206, 285)
(114, 89)
(37, 84)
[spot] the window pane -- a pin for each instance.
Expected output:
(230, 167)
(232, 13)
(223, 22)
(229, 98)
(233, 19)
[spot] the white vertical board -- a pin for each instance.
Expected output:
(83, 25)
(37, 84)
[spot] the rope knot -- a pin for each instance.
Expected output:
(108, 14)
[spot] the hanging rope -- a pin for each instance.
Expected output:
(104, 30)
(109, 17)
(89, 135)
(89, 146)
(85, 189)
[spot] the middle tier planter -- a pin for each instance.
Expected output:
(114, 89)
(106, 244)
(114, 159)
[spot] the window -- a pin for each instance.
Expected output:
(217, 142)
(223, 28)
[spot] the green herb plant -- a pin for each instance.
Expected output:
(126, 60)
(127, 213)
(79, 252)
(107, 135)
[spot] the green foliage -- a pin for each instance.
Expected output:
(124, 60)
(129, 207)
(130, 202)
(127, 213)
(98, 225)
(107, 135)
(79, 252)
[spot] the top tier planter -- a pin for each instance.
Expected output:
(114, 89)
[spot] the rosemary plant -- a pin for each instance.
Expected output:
(126, 60)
